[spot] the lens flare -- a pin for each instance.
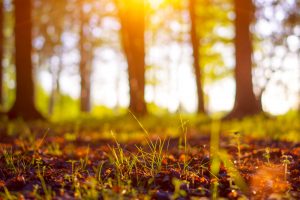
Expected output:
(268, 180)
(155, 3)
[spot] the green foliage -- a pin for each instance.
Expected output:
(285, 127)
(65, 108)
(177, 191)
(213, 18)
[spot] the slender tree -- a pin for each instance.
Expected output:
(24, 104)
(246, 103)
(53, 44)
(84, 65)
(195, 40)
(55, 88)
(132, 18)
(1, 50)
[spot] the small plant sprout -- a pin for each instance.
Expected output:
(267, 155)
(233, 172)
(35, 192)
(54, 149)
(237, 138)
(286, 160)
(214, 189)
(185, 156)
(178, 192)
(47, 189)
(152, 160)
(89, 189)
(97, 171)
(7, 195)
(74, 177)
(85, 161)
(124, 164)
(214, 155)
(214, 147)
(9, 160)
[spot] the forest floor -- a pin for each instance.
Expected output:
(154, 158)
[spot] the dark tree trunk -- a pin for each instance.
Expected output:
(195, 40)
(24, 106)
(132, 17)
(246, 104)
(1, 50)
(85, 68)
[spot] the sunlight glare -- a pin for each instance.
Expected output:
(155, 3)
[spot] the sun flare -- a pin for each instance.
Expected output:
(155, 3)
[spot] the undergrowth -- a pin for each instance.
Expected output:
(150, 158)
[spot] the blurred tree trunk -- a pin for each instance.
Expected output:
(195, 40)
(84, 65)
(24, 106)
(132, 18)
(1, 50)
(246, 104)
(55, 90)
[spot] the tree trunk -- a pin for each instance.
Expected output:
(195, 40)
(132, 17)
(55, 90)
(85, 69)
(246, 103)
(85, 91)
(1, 51)
(24, 106)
